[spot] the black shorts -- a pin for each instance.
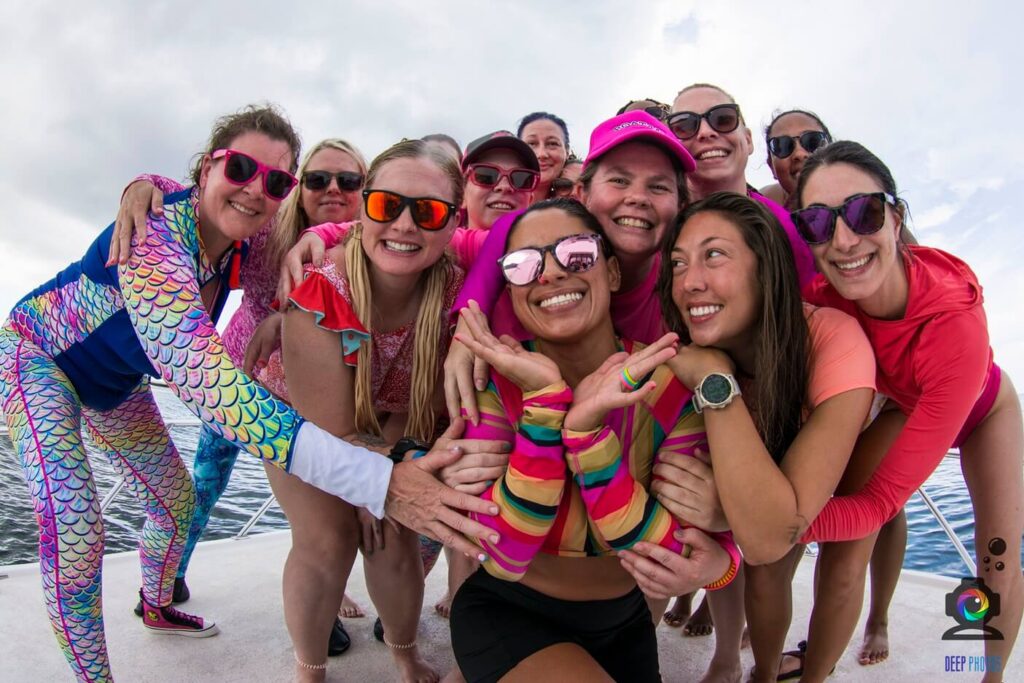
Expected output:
(497, 624)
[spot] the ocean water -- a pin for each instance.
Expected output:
(928, 547)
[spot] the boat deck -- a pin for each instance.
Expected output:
(238, 583)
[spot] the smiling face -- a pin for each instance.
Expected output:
(721, 157)
(546, 139)
(787, 171)
(634, 196)
(560, 306)
(486, 205)
(715, 283)
(237, 212)
(863, 268)
(400, 247)
(332, 204)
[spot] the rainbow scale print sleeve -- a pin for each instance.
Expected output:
(161, 293)
(618, 505)
(530, 491)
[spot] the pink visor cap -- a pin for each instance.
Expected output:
(636, 125)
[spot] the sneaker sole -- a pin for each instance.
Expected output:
(205, 633)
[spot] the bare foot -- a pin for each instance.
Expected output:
(700, 622)
(875, 648)
(444, 605)
(350, 609)
(412, 668)
(680, 610)
(723, 672)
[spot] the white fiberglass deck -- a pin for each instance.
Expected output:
(238, 584)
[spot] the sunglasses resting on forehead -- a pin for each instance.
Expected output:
(864, 214)
(723, 118)
(428, 213)
(573, 253)
(781, 146)
(240, 169)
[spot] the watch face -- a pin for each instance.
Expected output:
(715, 388)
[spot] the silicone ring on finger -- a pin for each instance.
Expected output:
(628, 383)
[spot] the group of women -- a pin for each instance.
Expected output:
(572, 382)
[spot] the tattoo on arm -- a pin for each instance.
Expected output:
(370, 442)
(799, 529)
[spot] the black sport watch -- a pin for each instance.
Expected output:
(715, 391)
(404, 446)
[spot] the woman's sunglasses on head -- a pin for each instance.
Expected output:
(723, 118)
(488, 176)
(426, 212)
(321, 180)
(782, 146)
(863, 213)
(240, 169)
(574, 253)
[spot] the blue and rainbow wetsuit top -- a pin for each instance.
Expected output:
(105, 337)
(107, 327)
(97, 348)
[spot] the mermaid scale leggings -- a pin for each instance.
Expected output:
(45, 418)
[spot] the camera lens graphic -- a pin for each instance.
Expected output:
(972, 605)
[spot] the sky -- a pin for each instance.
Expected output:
(95, 95)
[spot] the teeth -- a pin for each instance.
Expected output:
(701, 311)
(400, 246)
(560, 299)
(712, 154)
(629, 222)
(501, 206)
(238, 207)
(852, 265)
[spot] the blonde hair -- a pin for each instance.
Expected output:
(291, 217)
(427, 331)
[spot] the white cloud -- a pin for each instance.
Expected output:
(95, 94)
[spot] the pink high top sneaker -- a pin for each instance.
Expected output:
(170, 621)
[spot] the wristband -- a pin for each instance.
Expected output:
(408, 445)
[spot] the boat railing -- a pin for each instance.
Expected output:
(246, 528)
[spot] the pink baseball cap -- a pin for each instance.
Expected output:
(637, 125)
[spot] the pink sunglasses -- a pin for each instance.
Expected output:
(240, 169)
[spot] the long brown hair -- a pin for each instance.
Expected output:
(429, 319)
(781, 338)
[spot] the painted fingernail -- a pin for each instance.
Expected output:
(494, 511)
(495, 538)
(481, 557)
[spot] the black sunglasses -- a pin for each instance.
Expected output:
(781, 146)
(723, 118)
(321, 180)
(863, 213)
